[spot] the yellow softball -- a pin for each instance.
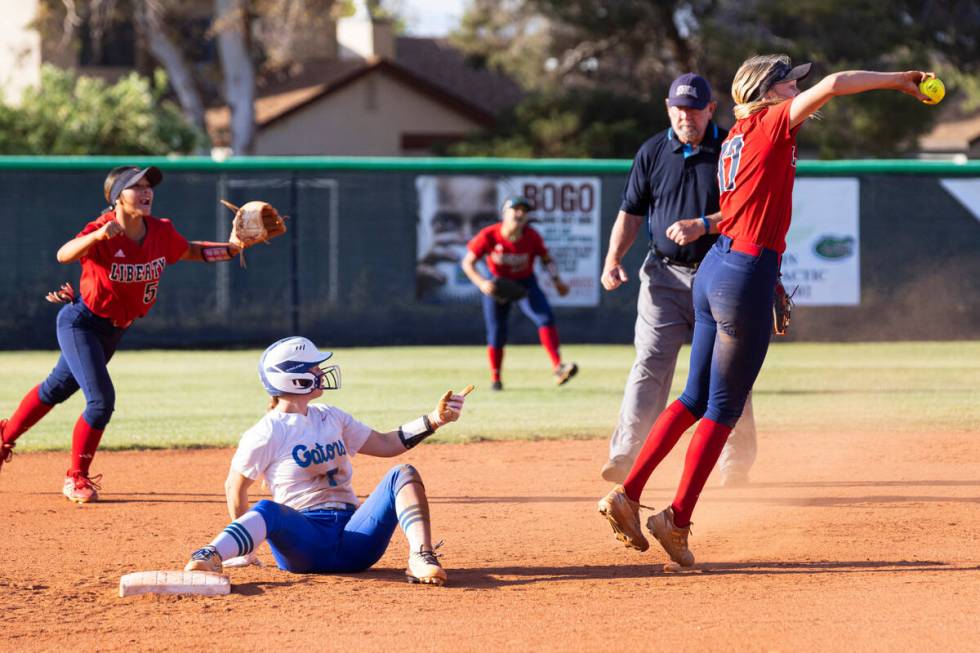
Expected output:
(934, 88)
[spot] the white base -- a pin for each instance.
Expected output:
(174, 582)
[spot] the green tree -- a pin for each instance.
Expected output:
(73, 115)
(567, 52)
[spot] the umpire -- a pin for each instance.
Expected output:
(673, 182)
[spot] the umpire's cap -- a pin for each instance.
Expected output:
(514, 201)
(123, 177)
(690, 91)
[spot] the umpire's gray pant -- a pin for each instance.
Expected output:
(664, 322)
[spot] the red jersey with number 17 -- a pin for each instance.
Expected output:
(506, 258)
(120, 277)
(756, 170)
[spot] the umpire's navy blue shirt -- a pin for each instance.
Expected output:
(671, 181)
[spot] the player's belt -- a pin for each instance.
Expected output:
(747, 247)
(331, 505)
(752, 249)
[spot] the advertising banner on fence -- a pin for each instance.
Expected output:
(822, 259)
(567, 216)
(453, 209)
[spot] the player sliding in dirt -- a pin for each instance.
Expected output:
(304, 452)
(733, 290)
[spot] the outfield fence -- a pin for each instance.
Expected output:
(882, 250)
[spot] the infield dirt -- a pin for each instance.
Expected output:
(857, 541)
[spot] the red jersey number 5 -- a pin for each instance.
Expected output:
(731, 152)
(150, 292)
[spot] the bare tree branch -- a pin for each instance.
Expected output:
(149, 18)
(70, 24)
(231, 28)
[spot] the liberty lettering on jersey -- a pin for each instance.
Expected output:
(517, 263)
(318, 454)
(138, 272)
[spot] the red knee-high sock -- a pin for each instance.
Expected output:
(496, 357)
(549, 340)
(28, 413)
(666, 431)
(84, 442)
(702, 454)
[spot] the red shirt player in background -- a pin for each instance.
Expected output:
(510, 247)
(123, 254)
(733, 290)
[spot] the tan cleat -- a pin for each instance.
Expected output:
(671, 538)
(424, 568)
(6, 449)
(624, 516)
(79, 488)
(206, 559)
(564, 372)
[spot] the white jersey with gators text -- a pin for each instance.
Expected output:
(305, 459)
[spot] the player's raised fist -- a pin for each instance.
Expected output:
(109, 230)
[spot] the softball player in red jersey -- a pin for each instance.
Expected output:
(733, 290)
(123, 254)
(510, 247)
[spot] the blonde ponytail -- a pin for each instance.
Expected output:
(749, 80)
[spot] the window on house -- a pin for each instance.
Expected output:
(108, 39)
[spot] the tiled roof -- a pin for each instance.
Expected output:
(445, 66)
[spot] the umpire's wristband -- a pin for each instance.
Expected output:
(707, 224)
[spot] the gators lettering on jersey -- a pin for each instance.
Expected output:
(506, 258)
(305, 459)
(756, 170)
(120, 277)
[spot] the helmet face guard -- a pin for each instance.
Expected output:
(291, 366)
(330, 379)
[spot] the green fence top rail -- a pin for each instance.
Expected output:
(457, 165)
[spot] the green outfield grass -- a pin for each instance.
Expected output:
(207, 398)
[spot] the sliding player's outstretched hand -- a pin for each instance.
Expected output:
(449, 407)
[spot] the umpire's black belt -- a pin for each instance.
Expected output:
(666, 260)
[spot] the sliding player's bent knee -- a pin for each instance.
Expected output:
(404, 475)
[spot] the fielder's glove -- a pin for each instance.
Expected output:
(507, 290)
(255, 222)
(782, 309)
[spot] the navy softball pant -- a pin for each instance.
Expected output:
(335, 541)
(87, 343)
(535, 306)
(733, 295)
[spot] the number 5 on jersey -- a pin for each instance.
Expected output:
(150, 292)
(731, 152)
